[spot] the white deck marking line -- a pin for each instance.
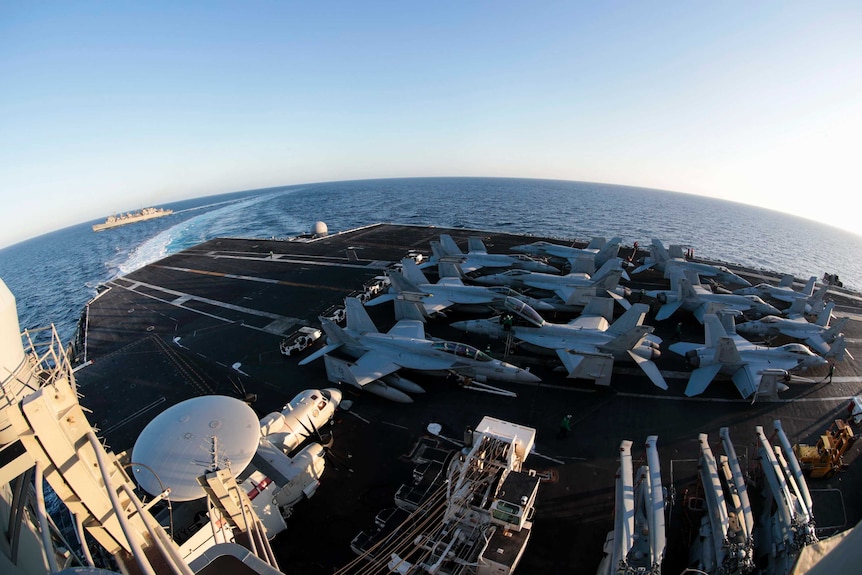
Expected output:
(249, 278)
(132, 416)
(182, 298)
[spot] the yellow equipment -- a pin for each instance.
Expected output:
(827, 457)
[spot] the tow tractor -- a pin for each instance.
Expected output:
(299, 340)
(827, 457)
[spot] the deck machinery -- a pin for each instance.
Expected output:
(486, 514)
(827, 457)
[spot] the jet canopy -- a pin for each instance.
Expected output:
(461, 350)
(797, 348)
(524, 311)
(504, 291)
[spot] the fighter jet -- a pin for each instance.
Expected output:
(477, 257)
(818, 335)
(689, 294)
(574, 289)
(663, 261)
(380, 355)
(784, 290)
(411, 285)
(731, 354)
(589, 344)
(598, 250)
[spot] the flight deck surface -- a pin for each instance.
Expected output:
(210, 319)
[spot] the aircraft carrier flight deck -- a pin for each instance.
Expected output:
(210, 320)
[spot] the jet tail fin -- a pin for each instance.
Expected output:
(475, 245)
(609, 251)
(437, 250)
(632, 318)
(411, 272)
(447, 269)
(596, 243)
(401, 284)
(809, 286)
(835, 329)
(818, 296)
(583, 264)
(675, 251)
(658, 252)
(838, 349)
(600, 306)
(609, 267)
(726, 351)
(357, 318)
(713, 330)
(786, 280)
(797, 308)
(450, 248)
(407, 309)
(700, 379)
(825, 315)
(610, 281)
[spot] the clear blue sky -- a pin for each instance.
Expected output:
(114, 106)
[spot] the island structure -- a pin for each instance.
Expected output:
(131, 217)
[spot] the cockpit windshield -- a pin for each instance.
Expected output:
(797, 348)
(461, 350)
(523, 310)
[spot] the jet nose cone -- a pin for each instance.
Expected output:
(524, 376)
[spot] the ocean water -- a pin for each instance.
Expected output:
(54, 275)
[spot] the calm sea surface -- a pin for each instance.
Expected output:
(53, 276)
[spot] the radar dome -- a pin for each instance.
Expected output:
(191, 438)
(320, 229)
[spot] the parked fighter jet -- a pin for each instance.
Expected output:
(477, 256)
(598, 250)
(661, 260)
(380, 355)
(574, 289)
(733, 355)
(689, 294)
(784, 290)
(588, 344)
(411, 285)
(818, 335)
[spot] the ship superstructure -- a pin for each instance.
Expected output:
(45, 437)
(131, 218)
